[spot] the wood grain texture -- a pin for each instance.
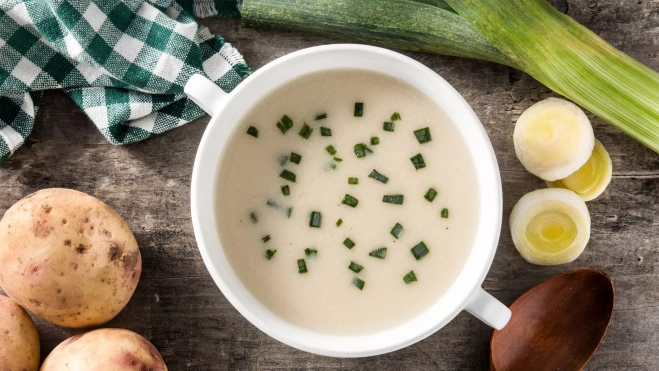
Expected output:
(178, 307)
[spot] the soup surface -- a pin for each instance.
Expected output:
(299, 245)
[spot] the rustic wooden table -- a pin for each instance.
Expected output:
(178, 307)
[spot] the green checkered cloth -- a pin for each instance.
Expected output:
(125, 63)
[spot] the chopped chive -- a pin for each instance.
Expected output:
(253, 131)
(358, 283)
(253, 217)
(331, 150)
(418, 162)
(379, 253)
(309, 252)
(305, 132)
(377, 176)
(284, 124)
(353, 180)
(301, 266)
(420, 250)
(332, 166)
(348, 243)
(339, 222)
(315, 219)
(410, 277)
(430, 195)
(397, 230)
(444, 213)
(266, 238)
(272, 203)
(285, 190)
(337, 159)
(283, 159)
(287, 175)
(289, 212)
(295, 158)
(395, 116)
(270, 253)
(388, 126)
(321, 117)
(359, 109)
(375, 141)
(361, 149)
(393, 199)
(423, 135)
(349, 200)
(355, 267)
(325, 132)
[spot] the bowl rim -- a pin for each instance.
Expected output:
(211, 151)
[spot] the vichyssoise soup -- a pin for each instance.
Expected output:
(347, 202)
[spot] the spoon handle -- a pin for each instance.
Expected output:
(488, 309)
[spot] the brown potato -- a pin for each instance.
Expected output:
(105, 350)
(68, 258)
(19, 340)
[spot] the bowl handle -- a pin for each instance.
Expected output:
(488, 309)
(205, 94)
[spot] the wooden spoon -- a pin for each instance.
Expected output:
(556, 325)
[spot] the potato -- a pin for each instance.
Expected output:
(19, 340)
(68, 258)
(105, 350)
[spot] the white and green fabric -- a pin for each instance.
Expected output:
(123, 62)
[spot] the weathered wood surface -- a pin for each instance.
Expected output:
(178, 307)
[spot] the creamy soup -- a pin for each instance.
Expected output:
(357, 217)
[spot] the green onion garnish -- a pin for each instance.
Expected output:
(305, 132)
(397, 230)
(420, 250)
(430, 195)
(270, 253)
(295, 158)
(379, 253)
(339, 222)
(321, 117)
(388, 126)
(315, 219)
(418, 162)
(284, 124)
(410, 277)
(348, 243)
(375, 141)
(272, 203)
(266, 238)
(358, 283)
(283, 159)
(331, 150)
(353, 180)
(444, 213)
(349, 200)
(285, 190)
(395, 116)
(301, 266)
(289, 212)
(393, 199)
(287, 175)
(423, 135)
(337, 159)
(309, 252)
(355, 267)
(253, 131)
(253, 217)
(359, 109)
(377, 176)
(325, 132)
(361, 149)
(332, 166)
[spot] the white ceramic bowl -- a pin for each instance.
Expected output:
(229, 109)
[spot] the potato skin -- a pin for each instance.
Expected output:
(68, 258)
(19, 340)
(105, 350)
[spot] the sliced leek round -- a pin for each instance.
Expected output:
(553, 139)
(592, 178)
(550, 226)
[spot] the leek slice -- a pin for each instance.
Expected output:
(592, 178)
(550, 226)
(553, 139)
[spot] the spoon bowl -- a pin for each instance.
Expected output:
(557, 325)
